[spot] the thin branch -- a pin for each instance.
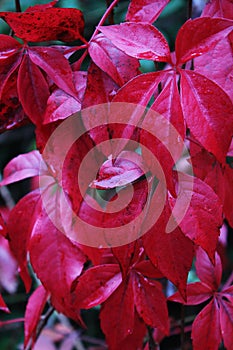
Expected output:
(44, 319)
(190, 9)
(17, 6)
(77, 65)
(105, 16)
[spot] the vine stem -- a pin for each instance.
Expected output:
(17, 6)
(78, 64)
(190, 9)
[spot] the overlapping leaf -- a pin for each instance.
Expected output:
(145, 10)
(34, 309)
(139, 40)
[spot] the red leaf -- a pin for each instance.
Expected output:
(22, 167)
(55, 65)
(3, 306)
(172, 253)
(205, 104)
(226, 322)
(55, 259)
(96, 285)
(42, 7)
(203, 218)
(208, 169)
(218, 8)
(10, 57)
(138, 92)
(145, 10)
(65, 24)
(100, 56)
(206, 328)
(150, 302)
(127, 168)
(3, 229)
(133, 340)
(11, 112)
(120, 305)
(168, 105)
(197, 293)
(207, 272)
(20, 224)
(119, 66)
(210, 64)
(167, 124)
(100, 89)
(8, 267)
(33, 90)
(34, 309)
(8, 46)
(139, 40)
(60, 105)
(198, 36)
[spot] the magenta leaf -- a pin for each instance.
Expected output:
(34, 309)
(33, 90)
(55, 65)
(171, 253)
(96, 285)
(206, 328)
(210, 64)
(8, 267)
(139, 40)
(61, 105)
(145, 10)
(218, 8)
(121, 307)
(207, 272)
(150, 302)
(127, 168)
(206, 105)
(204, 217)
(3, 306)
(119, 66)
(20, 224)
(226, 322)
(198, 36)
(55, 259)
(22, 167)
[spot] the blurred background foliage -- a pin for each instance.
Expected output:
(22, 140)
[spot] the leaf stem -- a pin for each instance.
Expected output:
(18, 6)
(111, 15)
(105, 16)
(190, 9)
(44, 319)
(77, 65)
